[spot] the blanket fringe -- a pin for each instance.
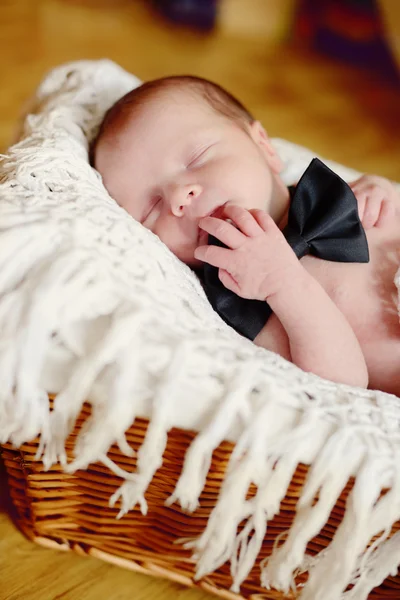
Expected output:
(198, 457)
(151, 452)
(366, 516)
(383, 562)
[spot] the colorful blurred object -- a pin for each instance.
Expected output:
(200, 14)
(351, 30)
(267, 20)
(390, 12)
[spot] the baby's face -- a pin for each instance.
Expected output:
(178, 160)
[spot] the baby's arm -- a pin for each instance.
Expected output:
(319, 337)
(259, 264)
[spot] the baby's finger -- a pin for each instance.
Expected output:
(359, 181)
(223, 231)
(215, 256)
(371, 213)
(387, 212)
(242, 218)
(264, 220)
(361, 202)
(228, 281)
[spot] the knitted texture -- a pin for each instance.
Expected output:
(93, 307)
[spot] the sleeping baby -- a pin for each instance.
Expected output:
(306, 272)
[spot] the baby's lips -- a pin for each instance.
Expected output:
(219, 211)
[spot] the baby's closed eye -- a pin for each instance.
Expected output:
(155, 200)
(199, 157)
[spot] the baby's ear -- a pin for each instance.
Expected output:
(261, 138)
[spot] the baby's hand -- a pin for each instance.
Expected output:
(258, 262)
(376, 198)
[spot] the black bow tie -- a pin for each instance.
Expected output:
(323, 221)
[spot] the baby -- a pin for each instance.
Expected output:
(188, 161)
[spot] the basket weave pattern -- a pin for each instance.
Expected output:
(72, 512)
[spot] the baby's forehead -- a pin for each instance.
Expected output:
(172, 108)
(176, 97)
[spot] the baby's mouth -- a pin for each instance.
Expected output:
(216, 212)
(203, 235)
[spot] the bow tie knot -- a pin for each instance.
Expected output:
(296, 241)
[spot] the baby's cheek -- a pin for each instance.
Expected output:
(180, 241)
(131, 205)
(185, 253)
(260, 195)
(259, 186)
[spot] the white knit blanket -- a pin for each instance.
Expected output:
(94, 307)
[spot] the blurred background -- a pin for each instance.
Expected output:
(321, 73)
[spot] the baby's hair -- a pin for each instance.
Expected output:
(216, 96)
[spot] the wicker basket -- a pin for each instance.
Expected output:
(71, 512)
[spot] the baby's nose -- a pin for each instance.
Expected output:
(182, 197)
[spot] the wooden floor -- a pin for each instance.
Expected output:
(344, 114)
